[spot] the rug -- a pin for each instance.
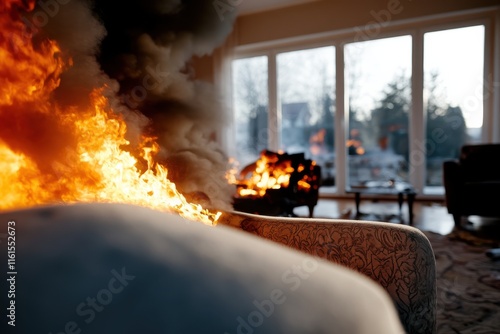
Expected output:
(468, 285)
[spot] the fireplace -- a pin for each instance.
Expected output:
(277, 183)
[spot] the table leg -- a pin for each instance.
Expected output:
(410, 199)
(400, 203)
(357, 199)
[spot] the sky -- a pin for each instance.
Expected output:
(457, 55)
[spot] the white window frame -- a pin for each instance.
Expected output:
(416, 28)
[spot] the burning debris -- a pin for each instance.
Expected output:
(69, 132)
(276, 183)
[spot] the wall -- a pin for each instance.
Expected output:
(329, 15)
(325, 16)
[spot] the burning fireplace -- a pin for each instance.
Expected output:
(277, 183)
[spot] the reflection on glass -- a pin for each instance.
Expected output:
(250, 105)
(307, 99)
(453, 94)
(378, 75)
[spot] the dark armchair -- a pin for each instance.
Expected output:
(472, 183)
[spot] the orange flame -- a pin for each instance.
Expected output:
(268, 172)
(317, 142)
(88, 160)
(354, 144)
(357, 146)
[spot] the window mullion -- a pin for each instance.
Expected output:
(340, 123)
(491, 96)
(495, 88)
(417, 158)
(274, 113)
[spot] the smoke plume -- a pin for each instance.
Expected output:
(141, 51)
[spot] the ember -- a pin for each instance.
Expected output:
(276, 183)
(51, 154)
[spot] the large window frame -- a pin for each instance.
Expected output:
(416, 28)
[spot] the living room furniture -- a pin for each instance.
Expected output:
(280, 200)
(472, 183)
(398, 257)
(115, 268)
(384, 188)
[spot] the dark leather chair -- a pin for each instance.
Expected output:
(472, 183)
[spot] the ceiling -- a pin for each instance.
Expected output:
(254, 6)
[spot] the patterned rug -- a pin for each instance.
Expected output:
(468, 284)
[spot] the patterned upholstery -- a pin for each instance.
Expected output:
(398, 257)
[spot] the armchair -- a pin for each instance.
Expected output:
(398, 257)
(473, 181)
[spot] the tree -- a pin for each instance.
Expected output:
(390, 118)
(250, 103)
(446, 129)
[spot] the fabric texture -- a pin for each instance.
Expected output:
(399, 258)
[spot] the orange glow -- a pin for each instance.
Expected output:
(357, 145)
(270, 171)
(91, 159)
(318, 137)
(317, 142)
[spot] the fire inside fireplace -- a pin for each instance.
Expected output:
(277, 183)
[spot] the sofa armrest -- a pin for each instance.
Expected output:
(452, 181)
(398, 257)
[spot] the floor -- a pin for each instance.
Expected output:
(428, 215)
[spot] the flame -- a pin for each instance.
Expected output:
(270, 171)
(354, 143)
(317, 142)
(94, 162)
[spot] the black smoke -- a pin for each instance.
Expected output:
(141, 50)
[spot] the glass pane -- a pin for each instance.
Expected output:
(250, 105)
(307, 98)
(378, 77)
(453, 94)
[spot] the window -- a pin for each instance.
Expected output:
(453, 94)
(376, 122)
(307, 100)
(250, 108)
(378, 76)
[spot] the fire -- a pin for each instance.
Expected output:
(354, 144)
(317, 142)
(92, 161)
(270, 171)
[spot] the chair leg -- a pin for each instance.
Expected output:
(311, 210)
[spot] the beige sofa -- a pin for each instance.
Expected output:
(398, 257)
